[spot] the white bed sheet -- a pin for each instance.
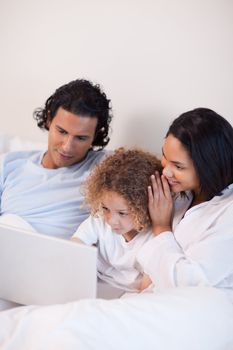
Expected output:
(194, 318)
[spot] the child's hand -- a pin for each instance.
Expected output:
(76, 240)
(160, 204)
(146, 281)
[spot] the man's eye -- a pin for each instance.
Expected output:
(81, 138)
(61, 131)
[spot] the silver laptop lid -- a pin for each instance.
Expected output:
(42, 270)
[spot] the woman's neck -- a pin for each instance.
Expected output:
(197, 199)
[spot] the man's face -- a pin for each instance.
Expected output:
(70, 137)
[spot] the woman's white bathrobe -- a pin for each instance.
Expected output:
(200, 249)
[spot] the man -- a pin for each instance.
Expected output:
(43, 189)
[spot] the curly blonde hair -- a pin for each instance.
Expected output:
(126, 172)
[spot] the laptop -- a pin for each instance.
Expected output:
(42, 270)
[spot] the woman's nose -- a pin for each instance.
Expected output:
(167, 171)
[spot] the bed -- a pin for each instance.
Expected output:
(193, 318)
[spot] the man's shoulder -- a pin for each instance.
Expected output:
(98, 155)
(92, 159)
(16, 155)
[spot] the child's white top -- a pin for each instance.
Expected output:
(117, 259)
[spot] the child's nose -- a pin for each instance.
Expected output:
(112, 219)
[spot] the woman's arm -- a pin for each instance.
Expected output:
(198, 253)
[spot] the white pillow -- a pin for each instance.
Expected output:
(16, 143)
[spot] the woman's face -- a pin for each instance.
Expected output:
(178, 167)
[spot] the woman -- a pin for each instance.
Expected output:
(196, 249)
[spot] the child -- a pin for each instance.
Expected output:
(116, 192)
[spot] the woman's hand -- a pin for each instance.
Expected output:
(160, 204)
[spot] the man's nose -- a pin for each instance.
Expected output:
(68, 143)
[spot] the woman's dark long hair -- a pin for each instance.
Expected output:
(208, 138)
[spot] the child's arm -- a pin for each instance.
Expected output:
(145, 282)
(76, 240)
(88, 232)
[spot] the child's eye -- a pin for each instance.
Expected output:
(123, 214)
(104, 208)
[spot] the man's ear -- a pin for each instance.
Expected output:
(48, 121)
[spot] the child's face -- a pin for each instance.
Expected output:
(116, 213)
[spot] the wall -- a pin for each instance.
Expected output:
(154, 58)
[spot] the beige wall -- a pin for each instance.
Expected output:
(154, 58)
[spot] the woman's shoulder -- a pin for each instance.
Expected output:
(224, 198)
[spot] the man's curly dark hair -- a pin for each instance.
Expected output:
(80, 97)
